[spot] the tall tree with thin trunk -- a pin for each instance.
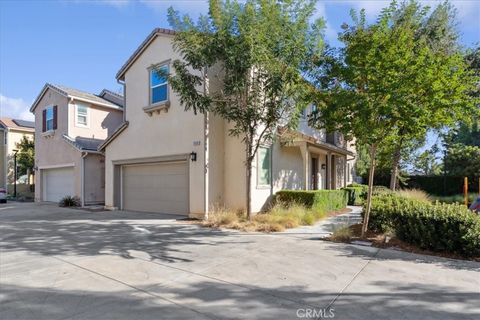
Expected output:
(385, 78)
(257, 50)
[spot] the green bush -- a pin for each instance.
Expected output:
(318, 200)
(437, 227)
(357, 193)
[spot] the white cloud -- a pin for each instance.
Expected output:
(191, 7)
(15, 108)
(115, 3)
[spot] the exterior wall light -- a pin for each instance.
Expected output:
(193, 156)
(324, 166)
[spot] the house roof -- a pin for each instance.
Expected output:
(289, 135)
(156, 32)
(83, 144)
(75, 94)
(17, 124)
(112, 97)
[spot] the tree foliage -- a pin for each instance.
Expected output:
(387, 80)
(258, 49)
(25, 155)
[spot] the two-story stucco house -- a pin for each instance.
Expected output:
(12, 132)
(164, 159)
(69, 126)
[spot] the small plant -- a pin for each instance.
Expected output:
(70, 201)
(342, 234)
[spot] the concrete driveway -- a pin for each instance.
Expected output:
(68, 264)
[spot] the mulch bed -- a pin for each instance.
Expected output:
(378, 240)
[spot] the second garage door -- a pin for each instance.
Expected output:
(57, 183)
(156, 187)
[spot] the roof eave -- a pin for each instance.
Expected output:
(148, 40)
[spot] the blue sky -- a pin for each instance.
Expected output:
(82, 44)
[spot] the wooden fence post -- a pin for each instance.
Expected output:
(465, 190)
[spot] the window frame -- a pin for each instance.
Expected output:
(260, 184)
(50, 108)
(87, 115)
(157, 66)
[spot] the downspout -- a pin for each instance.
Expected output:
(206, 129)
(82, 172)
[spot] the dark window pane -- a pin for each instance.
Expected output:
(159, 94)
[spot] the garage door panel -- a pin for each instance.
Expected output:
(159, 187)
(58, 183)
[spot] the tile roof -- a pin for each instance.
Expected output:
(76, 94)
(143, 45)
(83, 144)
(17, 124)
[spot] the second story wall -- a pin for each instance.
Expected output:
(100, 121)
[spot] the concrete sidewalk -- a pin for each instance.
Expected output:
(325, 227)
(58, 263)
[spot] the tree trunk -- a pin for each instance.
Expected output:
(396, 162)
(249, 186)
(371, 174)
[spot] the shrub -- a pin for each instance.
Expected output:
(70, 201)
(437, 227)
(342, 234)
(317, 200)
(415, 194)
(357, 193)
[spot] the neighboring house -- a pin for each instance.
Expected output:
(12, 132)
(162, 159)
(69, 126)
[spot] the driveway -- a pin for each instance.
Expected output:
(58, 263)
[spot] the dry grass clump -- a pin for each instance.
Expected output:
(415, 194)
(279, 218)
(342, 234)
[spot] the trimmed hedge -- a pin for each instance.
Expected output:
(324, 200)
(357, 193)
(437, 227)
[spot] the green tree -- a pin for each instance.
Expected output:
(463, 160)
(25, 155)
(385, 79)
(258, 48)
(426, 163)
(436, 30)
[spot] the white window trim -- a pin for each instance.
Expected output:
(81, 125)
(260, 185)
(150, 91)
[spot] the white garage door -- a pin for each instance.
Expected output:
(158, 187)
(57, 183)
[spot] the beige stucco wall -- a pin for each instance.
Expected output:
(101, 121)
(175, 132)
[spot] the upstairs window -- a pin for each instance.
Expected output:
(49, 119)
(264, 167)
(158, 84)
(81, 115)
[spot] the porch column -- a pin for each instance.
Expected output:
(329, 170)
(306, 169)
(345, 171)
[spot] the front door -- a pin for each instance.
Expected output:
(314, 172)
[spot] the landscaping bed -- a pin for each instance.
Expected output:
(389, 241)
(290, 209)
(411, 221)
